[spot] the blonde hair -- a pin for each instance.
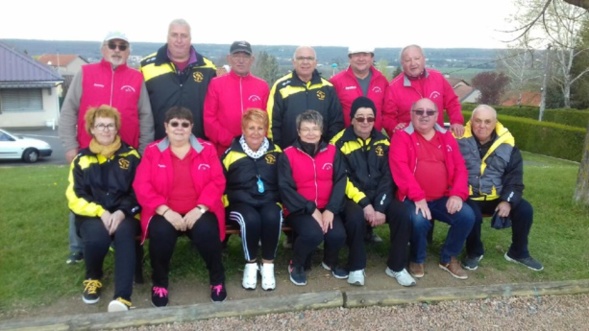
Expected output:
(254, 115)
(104, 111)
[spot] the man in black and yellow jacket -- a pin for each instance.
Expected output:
(177, 75)
(495, 183)
(370, 191)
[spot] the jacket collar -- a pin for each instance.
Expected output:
(194, 143)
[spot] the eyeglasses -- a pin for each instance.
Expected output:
(103, 127)
(113, 46)
(361, 119)
(175, 124)
(424, 112)
(309, 130)
(305, 58)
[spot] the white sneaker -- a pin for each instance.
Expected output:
(267, 273)
(356, 277)
(250, 276)
(402, 277)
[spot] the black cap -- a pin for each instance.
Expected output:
(362, 102)
(241, 46)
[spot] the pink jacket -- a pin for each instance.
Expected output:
(401, 95)
(228, 97)
(154, 177)
(403, 161)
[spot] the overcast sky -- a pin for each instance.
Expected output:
(429, 23)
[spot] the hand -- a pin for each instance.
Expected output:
(457, 129)
(70, 155)
(116, 218)
(379, 219)
(318, 217)
(369, 214)
(106, 218)
(191, 217)
(400, 126)
(421, 206)
(175, 219)
(327, 220)
(503, 209)
(453, 205)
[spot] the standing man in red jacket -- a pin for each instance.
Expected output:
(230, 95)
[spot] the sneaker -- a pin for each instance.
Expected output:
(417, 269)
(218, 293)
(471, 263)
(119, 304)
(372, 238)
(250, 276)
(454, 268)
(529, 262)
(297, 274)
(159, 296)
(75, 257)
(91, 291)
(267, 274)
(337, 272)
(356, 277)
(403, 277)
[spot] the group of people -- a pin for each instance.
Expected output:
(172, 149)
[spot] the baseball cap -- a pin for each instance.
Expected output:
(112, 35)
(241, 46)
(360, 49)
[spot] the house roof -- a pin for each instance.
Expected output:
(528, 98)
(463, 91)
(58, 60)
(18, 70)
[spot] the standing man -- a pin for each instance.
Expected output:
(230, 95)
(495, 179)
(108, 82)
(176, 75)
(432, 179)
(361, 79)
(414, 83)
(298, 91)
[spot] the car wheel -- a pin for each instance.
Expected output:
(30, 155)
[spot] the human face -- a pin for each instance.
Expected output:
(116, 56)
(240, 62)
(483, 124)
(363, 122)
(309, 132)
(361, 63)
(254, 133)
(178, 130)
(104, 130)
(413, 62)
(179, 42)
(424, 123)
(305, 62)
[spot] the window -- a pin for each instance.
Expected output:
(20, 100)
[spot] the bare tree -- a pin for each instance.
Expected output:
(520, 64)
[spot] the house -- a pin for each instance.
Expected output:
(64, 64)
(525, 98)
(463, 90)
(28, 91)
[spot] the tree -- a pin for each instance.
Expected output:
(520, 65)
(382, 66)
(266, 67)
(491, 85)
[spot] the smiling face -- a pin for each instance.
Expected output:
(424, 116)
(178, 130)
(254, 133)
(116, 56)
(413, 61)
(305, 62)
(483, 121)
(240, 62)
(363, 122)
(361, 63)
(309, 132)
(104, 130)
(179, 42)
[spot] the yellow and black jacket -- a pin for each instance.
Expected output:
(367, 165)
(97, 184)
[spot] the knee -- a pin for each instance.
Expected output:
(206, 227)
(420, 224)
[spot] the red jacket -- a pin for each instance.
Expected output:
(228, 97)
(119, 88)
(347, 89)
(403, 161)
(154, 178)
(402, 94)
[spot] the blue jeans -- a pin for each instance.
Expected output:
(76, 244)
(460, 225)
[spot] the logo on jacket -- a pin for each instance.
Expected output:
(128, 88)
(327, 166)
(449, 148)
(379, 151)
(434, 95)
(204, 166)
(353, 87)
(270, 158)
(124, 164)
(198, 77)
(98, 85)
(377, 89)
(321, 95)
(254, 98)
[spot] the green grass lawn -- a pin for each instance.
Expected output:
(33, 233)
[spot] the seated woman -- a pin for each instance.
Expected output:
(252, 196)
(312, 182)
(179, 185)
(100, 195)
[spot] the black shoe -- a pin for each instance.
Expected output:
(471, 263)
(159, 296)
(218, 293)
(529, 262)
(92, 289)
(337, 272)
(75, 257)
(297, 274)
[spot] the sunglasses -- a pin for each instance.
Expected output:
(113, 46)
(183, 124)
(364, 119)
(426, 112)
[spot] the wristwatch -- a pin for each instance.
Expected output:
(202, 209)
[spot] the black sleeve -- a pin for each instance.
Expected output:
(336, 200)
(292, 200)
(386, 187)
(335, 120)
(513, 183)
(128, 202)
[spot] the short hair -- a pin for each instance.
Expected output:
(178, 112)
(311, 116)
(181, 22)
(435, 106)
(406, 48)
(104, 111)
(294, 55)
(255, 115)
(484, 106)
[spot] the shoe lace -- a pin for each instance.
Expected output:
(217, 288)
(92, 285)
(126, 302)
(162, 292)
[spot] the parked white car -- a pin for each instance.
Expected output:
(29, 150)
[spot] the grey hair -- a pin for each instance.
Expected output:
(483, 106)
(294, 55)
(408, 47)
(311, 116)
(180, 22)
(435, 106)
